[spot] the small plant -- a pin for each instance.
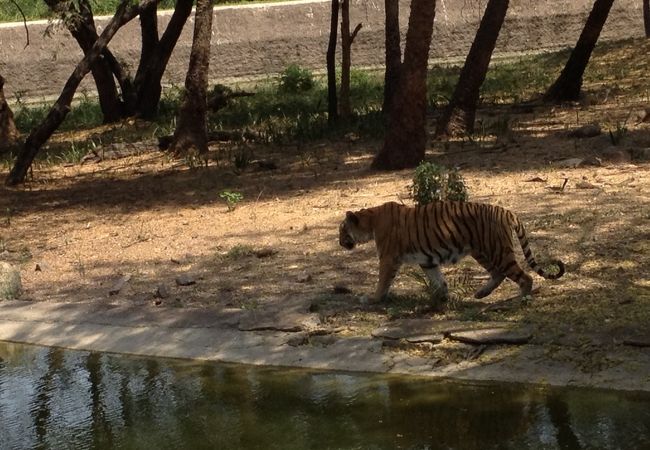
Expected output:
(241, 160)
(240, 251)
(616, 136)
(296, 79)
(231, 198)
(433, 182)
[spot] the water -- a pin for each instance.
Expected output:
(60, 399)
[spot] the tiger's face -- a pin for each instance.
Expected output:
(355, 229)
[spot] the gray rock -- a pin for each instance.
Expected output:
(161, 292)
(304, 278)
(493, 336)
(185, 280)
(426, 338)
(291, 315)
(10, 284)
(641, 154)
(586, 131)
(119, 284)
(615, 154)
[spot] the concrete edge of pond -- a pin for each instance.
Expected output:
(209, 336)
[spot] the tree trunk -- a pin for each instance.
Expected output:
(191, 129)
(393, 53)
(83, 30)
(568, 85)
(8, 132)
(646, 17)
(150, 71)
(61, 107)
(332, 101)
(347, 39)
(458, 117)
(405, 140)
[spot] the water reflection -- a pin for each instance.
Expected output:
(51, 399)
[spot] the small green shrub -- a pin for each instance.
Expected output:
(296, 79)
(231, 198)
(433, 182)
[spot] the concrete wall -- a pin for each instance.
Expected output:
(259, 40)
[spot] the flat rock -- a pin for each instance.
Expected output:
(185, 280)
(289, 315)
(492, 336)
(161, 292)
(586, 131)
(430, 338)
(418, 328)
(615, 154)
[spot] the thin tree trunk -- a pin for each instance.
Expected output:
(347, 39)
(569, 84)
(191, 128)
(84, 32)
(61, 107)
(8, 132)
(458, 117)
(646, 17)
(393, 53)
(149, 74)
(332, 101)
(405, 139)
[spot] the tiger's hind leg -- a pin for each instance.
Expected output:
(513, 271)
(496, 277)
(436, 278)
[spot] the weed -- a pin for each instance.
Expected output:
(616, 136)
(240, 251)
(296, 79)
(433, 182)
(231, 198)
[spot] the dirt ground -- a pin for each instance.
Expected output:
(77, 229)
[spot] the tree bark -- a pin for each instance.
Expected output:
(8, 132)
(82, 28)
(191, 128)
(458, 117)
(332, 100)
(393, 53)
(148, 77)
(569, 84)
(347, 39)
(646, 17)
(61, 107)
(405, 140)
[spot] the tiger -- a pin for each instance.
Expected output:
(443, 232)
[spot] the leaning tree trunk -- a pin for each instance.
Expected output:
(347, 39)
(568, 85)
(148, 79)
(393, 53)
(458, 117)
(82, 28)
(405, 139)
(646, 17)
(61, 107)
(8, 132)
(332, 100)
(191, 128)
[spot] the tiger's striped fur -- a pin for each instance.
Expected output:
(443, 232)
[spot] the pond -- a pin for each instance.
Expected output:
(54, 399)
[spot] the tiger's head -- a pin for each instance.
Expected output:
(356, 228)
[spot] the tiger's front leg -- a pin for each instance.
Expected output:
(388, 268)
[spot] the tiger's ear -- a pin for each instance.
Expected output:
(352, 218)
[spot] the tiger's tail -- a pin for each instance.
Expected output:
(528, 254)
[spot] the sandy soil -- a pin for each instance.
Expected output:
(76, 229)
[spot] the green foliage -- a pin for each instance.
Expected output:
(231, 198)
(37, 9)
(296, 79)
(240, 251)
(433, 182)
